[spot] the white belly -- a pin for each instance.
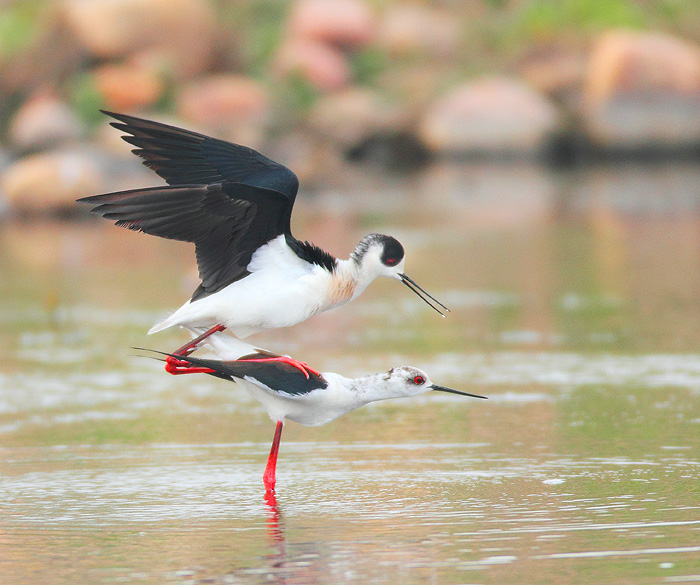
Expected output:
(314, 409)
(281, 290)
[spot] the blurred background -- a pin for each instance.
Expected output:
(321, 84)
(540, 162)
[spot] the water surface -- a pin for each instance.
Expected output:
(576, 309)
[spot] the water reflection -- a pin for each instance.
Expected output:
(349, 510)
(306, 565)
(575, 302)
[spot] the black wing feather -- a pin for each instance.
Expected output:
(226, 222)
(183, 157)
(278, 376)
(226, 198)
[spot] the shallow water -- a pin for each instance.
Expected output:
(576, 309)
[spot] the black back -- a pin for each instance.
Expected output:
(277, 376)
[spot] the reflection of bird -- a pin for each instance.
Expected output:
(235, 205)
(289, 391)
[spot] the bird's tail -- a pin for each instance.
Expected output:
(164, 324)
(173, 319)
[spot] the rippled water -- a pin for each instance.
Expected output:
(576, 309)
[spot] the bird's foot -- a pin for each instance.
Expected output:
(176, 366)
(302, 366)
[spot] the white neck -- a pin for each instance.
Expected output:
(348, 282)
(356, 392)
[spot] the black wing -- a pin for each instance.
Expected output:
(183, 157)
(278, 376)
(227, 222)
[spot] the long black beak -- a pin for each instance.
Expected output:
(413, 285)
(452, 391)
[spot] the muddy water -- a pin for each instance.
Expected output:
(576, 309)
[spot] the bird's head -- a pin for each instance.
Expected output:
(409, 381)
(380, 255)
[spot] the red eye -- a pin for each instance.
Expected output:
(391, 262)
(418, 380)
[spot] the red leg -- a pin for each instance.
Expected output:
(269, 475)
(190, 346)
(175, 366)
(303, 366)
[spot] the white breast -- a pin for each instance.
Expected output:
(280, 291)
(314, 409)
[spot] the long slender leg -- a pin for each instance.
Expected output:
(269, 475)
(190, 346)
(175, 366)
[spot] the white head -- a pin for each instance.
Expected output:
(406, 381)
(380, 255)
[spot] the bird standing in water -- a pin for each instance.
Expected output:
(235, 205)
(288, 392)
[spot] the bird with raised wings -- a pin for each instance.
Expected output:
(235, 205)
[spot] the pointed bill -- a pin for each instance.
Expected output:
(427, 298)
(453, 391)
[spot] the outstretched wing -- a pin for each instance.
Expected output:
(182, 157)
(227, 222)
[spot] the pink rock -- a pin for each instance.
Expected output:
(227, 104)
(643, 89)
(48, 181)
(44, 120)
(180, 31)
(407, 29)
(348, 23)
(494, 114)
(555, 71)
(127, 87)
(354, 115)
(322, 66)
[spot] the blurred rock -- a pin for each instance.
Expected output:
(322, 66)
(557, 72)
(109, 140)
(118, 167)
(641, 90)
(353, 116)
(415, 29)
(345, 23)
(51, 54)
(306, 154)
(5, 162)
(232, 106)
(494, 115)
(127, 87)
(49, 182)
(179, 31)
(414, 83)
(43, 121)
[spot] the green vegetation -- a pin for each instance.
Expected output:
(18, 27)
(257, 29)
(85, 98)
